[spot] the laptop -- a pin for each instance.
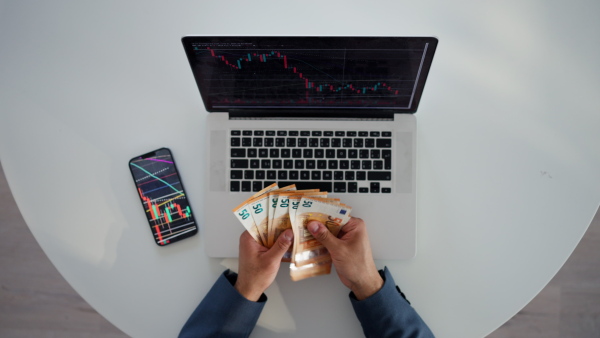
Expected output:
(333, 113)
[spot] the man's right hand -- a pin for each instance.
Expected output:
(351, 255)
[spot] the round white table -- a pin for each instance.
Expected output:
(508, 151)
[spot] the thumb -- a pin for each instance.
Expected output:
(322, 234)
(281, 246)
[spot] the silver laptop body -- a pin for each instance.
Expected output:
(334, 113)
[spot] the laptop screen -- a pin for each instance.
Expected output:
(301, 73)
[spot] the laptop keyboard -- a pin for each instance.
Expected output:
(334, 161)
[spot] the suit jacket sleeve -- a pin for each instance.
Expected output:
(223, 312)
(388, 314)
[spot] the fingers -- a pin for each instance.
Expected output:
(322, 234)
(281, 246)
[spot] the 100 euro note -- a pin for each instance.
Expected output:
(243, 213)
(310, 258)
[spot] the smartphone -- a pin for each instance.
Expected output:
(163, 198)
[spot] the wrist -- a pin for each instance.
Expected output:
(368, 287)
(247, 291)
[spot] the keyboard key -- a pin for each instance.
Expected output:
(236, 141)
(248, 174)
(265, 164)
(319, 153)
(361, 175)
(293, 174)
(291, 142)
(288, 164)
(374, 187)
(384, 143)
(363, 153)
(269, 141)
(352, 187)
(379, 175)
(336, 142)
(321, 164)
(363, 133)
(352, 153)
(340, 133)
(339, 187)
(344, 164)
(285, 153)
(374, 134)
(259, 133)
(262, 152)
(236, 174)
(247, 133)
(316, 133)
(355, 165)
(299, 164)
(254, 164)
(347, 143)
(271, 175)
(234, 186)
(328, 133)
(236, 132)
(377, 165)
(313, 142)
(268, 183)
(307, 153)
(386, 190)
(369, 142)
(302, 142)
(316, 175)
(259, 174)
(280, 142)
(327, 175)
(349, 176)
(332, 164)
(330, 153)
(311, 164)
(282, 175)
(351, 134)
(270, 133)
(341, 153)
(366, 165)
(338, 175)
(282, 133)
(363, 190)
(246, 142)
(239, 164)
(305, 175)
(297, 153)
(293, 133)
(276, 164)
(305, 133)
(256, 186)
(386, 134)
(358, 143)
(246, 186)
(238, 152)
(257, 142)
(324, 143)
(387, 159)
(375, 153)
(301, 185)
(273, 152)
(251, 152)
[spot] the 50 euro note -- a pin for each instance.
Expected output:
(272, 199)
(259, 207)
(243, 213)
(281, 216)
(310, 258)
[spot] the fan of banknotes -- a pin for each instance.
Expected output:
(269, 212)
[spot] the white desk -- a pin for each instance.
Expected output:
(509, 152)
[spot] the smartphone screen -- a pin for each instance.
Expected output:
(163, 197)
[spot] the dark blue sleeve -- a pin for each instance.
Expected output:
(388, 314)
(223, 312)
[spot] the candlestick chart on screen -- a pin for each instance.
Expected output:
(246, 76)
(163, 198)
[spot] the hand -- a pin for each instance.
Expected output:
(351, 255)
(258, 265)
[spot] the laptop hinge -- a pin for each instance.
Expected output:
(326, 114)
